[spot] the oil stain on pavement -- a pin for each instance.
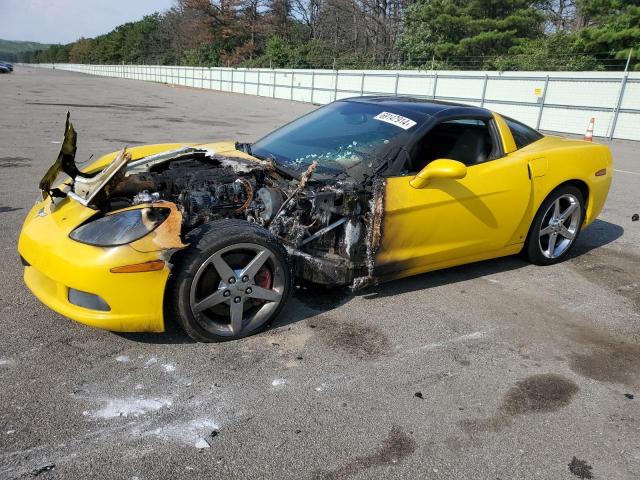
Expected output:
(613, 270)
(13, 162)
(4, 209)
(606, 359)
(394, 448)
(357, 339)
(128, 107)
(542, 393)
(580, 468)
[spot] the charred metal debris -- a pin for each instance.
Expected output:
(331, 230)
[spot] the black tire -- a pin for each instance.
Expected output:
(234, 241)
(536, 250)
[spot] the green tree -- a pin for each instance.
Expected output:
(81, 51)
(467, 34)
(464, 33)
(139, 40)
(613, 27)
(558, 51)
(279, 53)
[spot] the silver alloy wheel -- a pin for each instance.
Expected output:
(237, 304)
(559, 226)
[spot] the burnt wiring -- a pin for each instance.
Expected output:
(321, 223)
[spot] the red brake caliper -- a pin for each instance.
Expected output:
(264, 278)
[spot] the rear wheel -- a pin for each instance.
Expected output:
(556, 226)
(231, 282)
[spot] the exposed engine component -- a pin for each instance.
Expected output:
(206, 202)
(202, 189)
(323, 221)
(269, 201)
(145, 197)
(331, 225)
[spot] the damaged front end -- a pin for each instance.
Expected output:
(331, 229)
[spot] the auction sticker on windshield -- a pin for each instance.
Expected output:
(394, 119)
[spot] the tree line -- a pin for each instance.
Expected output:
(430, 34)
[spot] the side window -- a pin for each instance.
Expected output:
(522, 134)
(467, 140)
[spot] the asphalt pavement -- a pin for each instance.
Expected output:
(497, 370)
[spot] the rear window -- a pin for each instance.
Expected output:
(522, 134)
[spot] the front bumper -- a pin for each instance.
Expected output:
(56, 263)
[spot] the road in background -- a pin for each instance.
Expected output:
(494, 370)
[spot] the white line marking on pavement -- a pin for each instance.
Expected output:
(626, 171)
(461, 338)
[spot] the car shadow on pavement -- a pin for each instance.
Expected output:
(307, 301)
(446, 276)
(173, 335)
(598, 234)
(310, 300)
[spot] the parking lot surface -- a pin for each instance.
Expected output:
(497, 370)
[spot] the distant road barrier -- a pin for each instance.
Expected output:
(554, 101)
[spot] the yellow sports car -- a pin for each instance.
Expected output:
(357, 192)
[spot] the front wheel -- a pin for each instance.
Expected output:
(231, 282)
(556, 226)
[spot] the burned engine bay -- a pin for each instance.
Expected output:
(331, 230)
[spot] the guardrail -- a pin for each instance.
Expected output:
(553, 101)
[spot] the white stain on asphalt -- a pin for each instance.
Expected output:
(470, 336)
(202, 443)
(150, 362)
(123, 358)
(278, 382)
(6, 361)
(128, 407)
(197, 432)
(168, 367)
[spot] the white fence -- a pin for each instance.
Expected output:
(554, 101)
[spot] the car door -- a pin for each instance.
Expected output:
(454, 221)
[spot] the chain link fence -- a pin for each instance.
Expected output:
(561, 102)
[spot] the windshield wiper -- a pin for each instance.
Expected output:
(279, 168)
(246, 148)
(388, 158)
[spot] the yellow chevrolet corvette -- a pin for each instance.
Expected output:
(357, 192)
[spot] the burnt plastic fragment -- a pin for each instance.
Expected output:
(65, 161)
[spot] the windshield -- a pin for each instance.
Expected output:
(343, 137)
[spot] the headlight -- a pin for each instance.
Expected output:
(120, 228)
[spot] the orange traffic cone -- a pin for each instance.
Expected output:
(588, 137)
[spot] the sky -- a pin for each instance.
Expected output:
(64, 21)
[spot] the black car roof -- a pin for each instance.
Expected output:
(425, 106)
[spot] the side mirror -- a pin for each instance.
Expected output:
(441, 168)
